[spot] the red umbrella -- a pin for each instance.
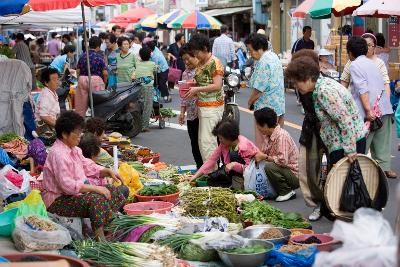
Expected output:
(133, 15)
(47, 5)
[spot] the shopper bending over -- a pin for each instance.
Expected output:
(65, 189)
(280, 153)
(236, 151)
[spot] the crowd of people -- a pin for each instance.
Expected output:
(341, 119)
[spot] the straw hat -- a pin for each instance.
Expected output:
(374, 179)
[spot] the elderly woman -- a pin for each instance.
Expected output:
(342, 129)
(368, 82)
(209, 73)
(66, 191)
(47, 107)
(126, 61)
(267, 80)
(236, 150)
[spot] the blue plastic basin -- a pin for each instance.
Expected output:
(7, 219)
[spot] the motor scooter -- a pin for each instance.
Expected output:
(231, 85)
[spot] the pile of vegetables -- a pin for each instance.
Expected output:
(159, 190)
(262, 213)
(8, 137)
(137, 165)
(212, 202)
(121, 225)
(167, 113)
(125, 254)
(167, 173)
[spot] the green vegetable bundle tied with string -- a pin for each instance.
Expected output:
(211, 202)
(167, 112)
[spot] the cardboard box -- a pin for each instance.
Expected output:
(394, 74)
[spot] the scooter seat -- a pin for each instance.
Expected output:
(102, 96)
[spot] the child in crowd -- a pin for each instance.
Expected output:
(189, 106)
(97, 127)
(146, 68)
(90, 146)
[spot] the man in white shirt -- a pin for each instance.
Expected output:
(224, 48)
(136, 44)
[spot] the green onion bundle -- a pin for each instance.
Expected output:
(125, 254)
(178, 241)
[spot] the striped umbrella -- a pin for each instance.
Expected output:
(169, 17)
(13, 7)
(148, 23)
(321, 9)
(195, 20)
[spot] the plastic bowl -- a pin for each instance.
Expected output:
(326, 245)
(7, 219)
(173, 198)
(144, 208)
(248, 260)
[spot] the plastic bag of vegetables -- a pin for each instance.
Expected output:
(130, 177)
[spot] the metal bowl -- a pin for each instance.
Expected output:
(255, 231)
(248, 260)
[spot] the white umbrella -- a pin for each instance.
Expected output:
(379, 8)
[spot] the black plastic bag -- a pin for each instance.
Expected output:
(219, 178)
(354, 193)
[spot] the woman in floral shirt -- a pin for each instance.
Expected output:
(189, 106)
(209, 73)
(342, 129)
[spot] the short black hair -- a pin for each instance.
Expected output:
(179, 36)
(357, 46)
(380, 40)
(145, 53)
(305, 28)
(20, 36)
(139, 35)
(266, 116)
(116, 27)
(257, 41)
(302, 69)
(66, 36)
(121, 40)
(103, 35)
(40, 41)
(228, 129)
(53, 35)
(185, 50)
(95, 126)
(94, 42)
(90, 145)
(112, 38)
(152, 45)
(224, 29)
(68, 49)
(199, 42)
(68, 122)
(46, 73)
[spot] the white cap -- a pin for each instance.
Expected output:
(261, 31)
(324, 52)
(57, 36)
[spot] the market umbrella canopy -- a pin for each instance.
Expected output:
(13, 7)
(379, 8)
(45, 5)
(132, 16)
(195, 20)
(320, 9)
(169, 17)
(149, 23)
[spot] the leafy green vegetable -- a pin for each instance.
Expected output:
(263, 213)
(192, 252)
(167, 113)
(5, 138)
(254, 249)
(159, 190)
(145, 237)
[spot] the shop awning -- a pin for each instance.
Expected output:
(227, 11)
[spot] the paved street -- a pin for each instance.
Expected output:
(173, 144)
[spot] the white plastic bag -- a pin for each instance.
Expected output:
(7, 188)
(28, 239)
(368, 241)
(218, 240)
(256, 180)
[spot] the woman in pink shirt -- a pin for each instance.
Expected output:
(66, 191)
(236, 151)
